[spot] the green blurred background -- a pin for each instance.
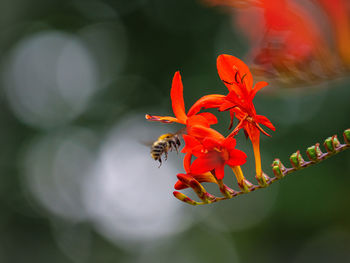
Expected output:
(77, 185)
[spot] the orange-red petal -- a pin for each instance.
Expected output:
(229, 143)
(228, 65)
(206, 102)
(211, 118)
(237, 157)
(177, 99)
(205, 119)
(190, 143)
(258, 86)
(165, 119)
(206, 162)
(220, 172)
(202, 132)
(265, 121)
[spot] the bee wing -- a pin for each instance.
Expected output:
(146, 143)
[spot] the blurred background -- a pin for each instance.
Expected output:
(76, 79)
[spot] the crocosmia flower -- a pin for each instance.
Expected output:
(239, 81)
(239, 102)
(208, 152)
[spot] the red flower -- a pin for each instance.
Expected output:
(213, 152)
(238, 79)
(239, 101)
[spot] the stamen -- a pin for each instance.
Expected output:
(243, 77)
(236, 76)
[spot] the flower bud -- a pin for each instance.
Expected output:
(195, 185)
(277, 162)
(347, 136)
(331, 143)
(225, 190)
(296, 160)
(314, 152)
(245, 185)
(184, 198)
(263, 180)
(277, 171)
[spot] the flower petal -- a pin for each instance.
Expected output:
(258, 86)
(197, 120)
(211, 118)
(206, 102)
(228, 66)
(177, 99)
(265, 121)
(210, 143)
(190, 143)
(165, 119)
(206, 163)
(227, 105)
(202, 132)
(220, 172)
(237, 157)
(229, 143)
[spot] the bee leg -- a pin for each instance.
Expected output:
(176, 148)
(177, 145)
(171, 145)
(166, 156)
(160, 162)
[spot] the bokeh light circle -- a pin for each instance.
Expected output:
(49, 78)
(128, 197)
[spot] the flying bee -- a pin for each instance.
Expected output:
(165, 143)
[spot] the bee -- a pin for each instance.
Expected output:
(165, 143)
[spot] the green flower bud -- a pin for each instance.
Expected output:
(277, 171)
(296, 159)
(314, 152)
(347, 136)
(331, 143)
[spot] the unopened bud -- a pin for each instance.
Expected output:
(347, 136)
(195, 185)
(296, 159)
(245, 185)
(314, 152)
(263, 179)
(227, 191)
(182, 197)
(277, 162)
(277, 171)
(331, 143)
